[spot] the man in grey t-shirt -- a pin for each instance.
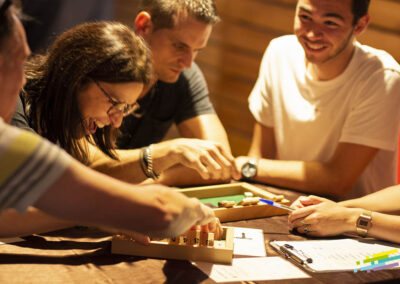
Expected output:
(175, 32)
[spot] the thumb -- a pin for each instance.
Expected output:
(311, 200)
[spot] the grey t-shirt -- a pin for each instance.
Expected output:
(164, 105)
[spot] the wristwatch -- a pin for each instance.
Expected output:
(364, 223)
(249, 169)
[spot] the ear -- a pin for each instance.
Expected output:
(143, 24)
(361, 25)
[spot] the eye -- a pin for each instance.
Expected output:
(304, 17)
(331, 24)
(179, 46)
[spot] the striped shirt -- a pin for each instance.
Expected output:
(29, 165)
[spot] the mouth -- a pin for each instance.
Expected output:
(177, 71)
(315, 46)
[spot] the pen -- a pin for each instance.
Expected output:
(296, 255)
(270, 202)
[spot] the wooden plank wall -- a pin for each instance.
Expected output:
(231, 60)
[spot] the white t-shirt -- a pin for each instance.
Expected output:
(310, 117)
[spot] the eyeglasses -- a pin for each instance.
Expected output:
(118, 107)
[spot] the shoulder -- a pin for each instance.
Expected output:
(193, 73)
(375, 59)
(283, 50)
(284, 45)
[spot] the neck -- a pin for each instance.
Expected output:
(147, 87)
(333, 67)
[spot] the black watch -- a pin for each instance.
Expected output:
(249, 169)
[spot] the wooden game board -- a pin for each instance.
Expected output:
(235, 191)
(221, 252)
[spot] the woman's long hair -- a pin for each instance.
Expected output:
(102, 51)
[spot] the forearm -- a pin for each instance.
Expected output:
(384, 226)
(85, 196)
(311, 177)
(385, 201)
(128, 167)
(33, 221)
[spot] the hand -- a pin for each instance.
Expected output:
(304, 201)
(326, 218)
(176, 212)
(208, 158)
(213, 227)
(140, 238)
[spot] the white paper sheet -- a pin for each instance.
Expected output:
(252, 269)
(248, 242)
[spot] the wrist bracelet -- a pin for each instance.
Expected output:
(146, 162)
(143, 163)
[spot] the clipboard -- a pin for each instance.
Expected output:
(334, 255)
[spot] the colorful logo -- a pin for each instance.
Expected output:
(379, 261)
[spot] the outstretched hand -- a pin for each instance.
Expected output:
(208, 158)
(317, 216)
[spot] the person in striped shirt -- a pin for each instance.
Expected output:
(35, 172)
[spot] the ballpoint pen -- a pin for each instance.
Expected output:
(272, 203)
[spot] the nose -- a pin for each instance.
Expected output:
(187, 59)
(116, 119)
(314, 31)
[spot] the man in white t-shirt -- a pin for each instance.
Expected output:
(327, 108)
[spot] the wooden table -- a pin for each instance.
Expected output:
(82, 255)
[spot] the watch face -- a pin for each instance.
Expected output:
(249, 170)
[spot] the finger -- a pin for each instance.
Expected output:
(235, 171)
(206, 214)
(301, 213)
(140, 238)
(198, 166)
(213, 167)
(311, 200)
(225, 153)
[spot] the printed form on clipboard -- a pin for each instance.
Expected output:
(333, 255)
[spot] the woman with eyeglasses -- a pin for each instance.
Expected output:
(35, 172)
(77, 94)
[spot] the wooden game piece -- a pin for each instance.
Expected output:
(279, 197)
(193, 237)
(174, 241)
(248, 194)
(182, 240)
(203, 238)
(226, 204)
(235, 212)
(221, 251)
(249, 201)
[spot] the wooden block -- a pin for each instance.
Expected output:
(248, 194)
(226, 204)
(220, 252)
(174, 241)
(193, 237)
(236, 213)
(249, 201)
(206, 239)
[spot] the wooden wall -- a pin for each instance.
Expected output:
(231, 60)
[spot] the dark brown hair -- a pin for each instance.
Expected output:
(102, 51)
(359, 9)
(164, 12)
